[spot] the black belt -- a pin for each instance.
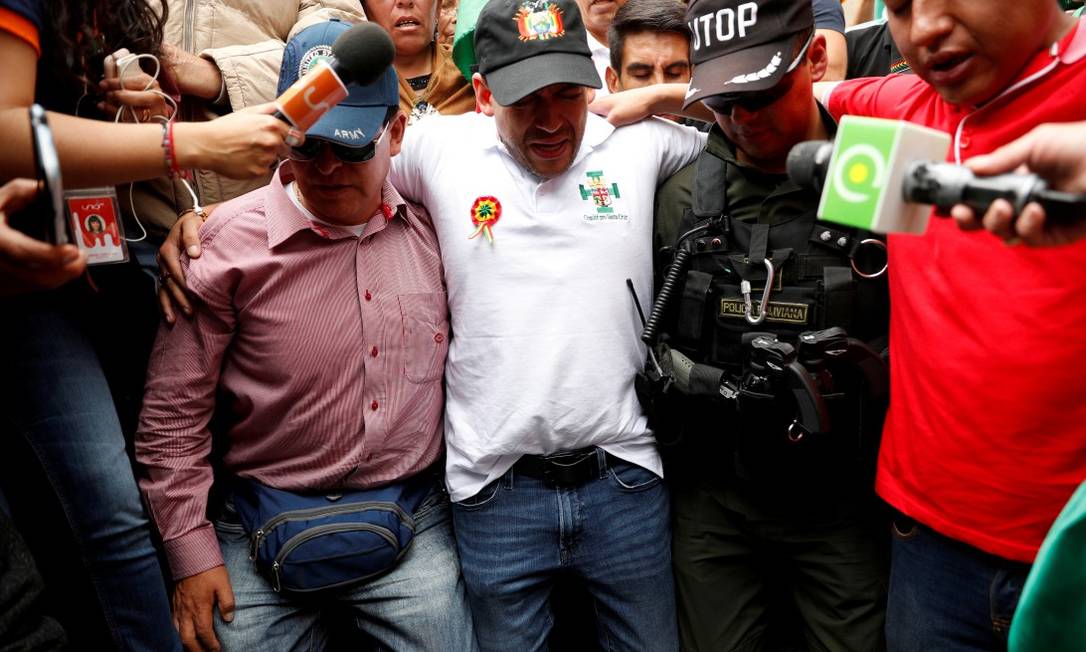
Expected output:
(565, 469)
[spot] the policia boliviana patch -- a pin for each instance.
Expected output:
(776, 311)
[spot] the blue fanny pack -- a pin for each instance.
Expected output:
(310, 542)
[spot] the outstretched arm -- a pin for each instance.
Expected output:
(639, 103)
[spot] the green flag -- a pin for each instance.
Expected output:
(1051, 614)
(463, 51)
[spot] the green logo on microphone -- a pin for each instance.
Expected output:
(856, 181)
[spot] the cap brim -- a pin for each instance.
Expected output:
(754, 69)
(522, 78)
(353, 126)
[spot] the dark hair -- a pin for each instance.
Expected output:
(94, 219)
(645, 16)
(77, 36)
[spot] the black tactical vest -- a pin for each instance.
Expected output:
(794, 400)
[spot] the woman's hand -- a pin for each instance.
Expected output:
(29, 265)
(239, 145)
(139, 94)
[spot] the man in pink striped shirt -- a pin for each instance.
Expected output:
(320, 324)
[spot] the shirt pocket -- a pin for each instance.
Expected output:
(425, 318)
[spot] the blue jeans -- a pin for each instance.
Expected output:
(417, 606)
(610, 533)
(54, 395)
(948, 596)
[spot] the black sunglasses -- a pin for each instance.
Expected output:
(311, 148)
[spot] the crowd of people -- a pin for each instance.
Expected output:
(548, 353)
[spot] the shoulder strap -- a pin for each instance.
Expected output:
(710, 187)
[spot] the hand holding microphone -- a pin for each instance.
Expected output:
(1055, 152)
(239, 145)
(882, 175)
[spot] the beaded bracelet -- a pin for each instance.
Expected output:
(170, 154)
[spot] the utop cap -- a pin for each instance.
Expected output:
(358, 118)
(743, 46)
(524, 45)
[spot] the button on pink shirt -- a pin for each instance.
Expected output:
(327, 351)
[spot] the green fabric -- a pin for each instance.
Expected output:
(463, 50)
(1051, 614)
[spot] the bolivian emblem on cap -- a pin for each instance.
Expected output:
(485, 213)
(539, 20)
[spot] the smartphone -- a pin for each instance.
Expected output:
(47, 165)
(44, 219)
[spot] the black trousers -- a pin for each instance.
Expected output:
(743, 571)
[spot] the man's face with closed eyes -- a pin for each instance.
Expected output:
(651, 58)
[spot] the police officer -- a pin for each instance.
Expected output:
(769, 327)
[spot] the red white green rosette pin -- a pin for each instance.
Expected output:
(485, 213)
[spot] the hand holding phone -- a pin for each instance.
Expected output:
(130, 94)
(121, 62)
(26, 264)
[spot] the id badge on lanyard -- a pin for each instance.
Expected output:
(95, 220)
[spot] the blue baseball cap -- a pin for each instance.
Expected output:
(358, 118)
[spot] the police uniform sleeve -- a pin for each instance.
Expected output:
(672, 200)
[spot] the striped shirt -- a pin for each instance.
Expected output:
(324, 350)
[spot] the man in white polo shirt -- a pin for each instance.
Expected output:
(543, 212)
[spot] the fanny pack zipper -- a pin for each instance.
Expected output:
(321, 530)
(332, 510)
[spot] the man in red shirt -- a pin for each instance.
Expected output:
(986, 435)
(320, 321)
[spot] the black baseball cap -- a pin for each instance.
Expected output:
(524, 45)
(741, 46)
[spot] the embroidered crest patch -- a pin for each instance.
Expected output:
(599, 192)
(312, 56)
(539, 20)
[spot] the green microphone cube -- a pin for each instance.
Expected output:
(865, 175)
